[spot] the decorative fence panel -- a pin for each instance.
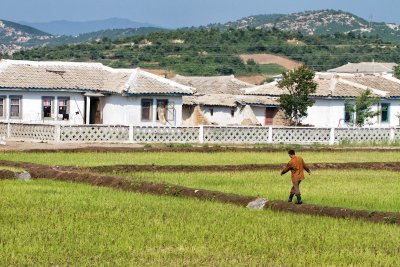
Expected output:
(90, 133)
(396, 134)
(3, 130)
(33, 131)
(301, 135)
(360, 135)
(166, 134)
(232, 135)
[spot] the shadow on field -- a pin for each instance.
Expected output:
(60, 174)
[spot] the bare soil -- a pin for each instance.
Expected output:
(391, 166)
(41, 171)
(272, 59)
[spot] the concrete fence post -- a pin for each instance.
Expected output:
(130, 133)
(332, 137)
(392, 135)
(8, 130)
(270, 134)
(201, 134)
(57, 133)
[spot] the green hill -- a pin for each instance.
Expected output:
(217, 52)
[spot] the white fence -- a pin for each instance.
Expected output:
(200, 134)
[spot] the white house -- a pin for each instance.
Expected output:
(220, 100)
(333, 89)
(90, 93)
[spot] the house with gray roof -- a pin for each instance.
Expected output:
(366, 68)
(332, 91)
(87, 93)
(220, 100)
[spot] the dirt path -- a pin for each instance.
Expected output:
(41, 171)
(391, 166)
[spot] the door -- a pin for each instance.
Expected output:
(269, 115)
(95, 111)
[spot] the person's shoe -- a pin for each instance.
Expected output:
(298, 201)
(290, 197)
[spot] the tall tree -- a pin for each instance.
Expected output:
(362, 108)
(300, 85)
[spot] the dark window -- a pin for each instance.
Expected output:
(63, 108)
(211, 111)
(232, 112)
(2, 99)
(146, 109)
(48, 103)
(15, 106)
(385, 112)
(162, 108)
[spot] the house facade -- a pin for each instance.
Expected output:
(334, 89)
(221, 100)
(87, 93)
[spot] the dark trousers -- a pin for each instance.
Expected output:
(295, 187)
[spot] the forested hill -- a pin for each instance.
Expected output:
(216, 52)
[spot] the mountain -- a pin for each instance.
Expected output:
(318, 22)
(65, 27)
(14, 36)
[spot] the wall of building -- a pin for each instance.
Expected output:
(331, 112)
(31, 110)
(127, 110)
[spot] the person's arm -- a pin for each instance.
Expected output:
(306, 167)
(287, 168)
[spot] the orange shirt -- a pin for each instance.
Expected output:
(297, 166)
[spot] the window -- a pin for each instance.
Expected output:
(63, 108)
(47, 107)
(232, 112)
(2, 102)
(211, 111)
(15, 107)
(162, 108)
(385, 112)
(146, 109)
(348, 115)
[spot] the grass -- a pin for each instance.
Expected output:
(196, 158)
(53, 223)
(357, 189)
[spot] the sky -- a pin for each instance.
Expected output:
(184, 13)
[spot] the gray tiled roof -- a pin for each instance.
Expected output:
(365, 67)
(214, 84)
(225, 100)
(331, 85)
(84, 77)
(142, 82)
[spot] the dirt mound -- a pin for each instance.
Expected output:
(5, 174)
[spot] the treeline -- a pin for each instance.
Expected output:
(215, 52)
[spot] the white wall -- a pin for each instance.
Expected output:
(31, 109)
(330, 113)
(221, 115)
(260, 114)
(127, 110)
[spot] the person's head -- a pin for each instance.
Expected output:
(291, 153)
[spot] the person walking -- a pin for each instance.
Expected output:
(297, 166)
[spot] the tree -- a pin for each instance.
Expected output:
(362, 108)
(300, 84)
(397, 72)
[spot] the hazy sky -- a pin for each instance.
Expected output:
(179, 13)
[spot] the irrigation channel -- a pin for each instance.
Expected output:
(86, 175)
